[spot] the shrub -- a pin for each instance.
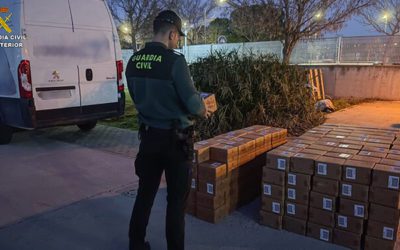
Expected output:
(254, 89)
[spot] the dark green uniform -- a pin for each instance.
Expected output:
(161, 87)
(163, 92)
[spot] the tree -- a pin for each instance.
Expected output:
(383, 16)
(194, 13)
(306, 18)
(134, 18)
(257, 22)
(222, 26)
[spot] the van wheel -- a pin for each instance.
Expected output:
(6, 133)
(87, 126)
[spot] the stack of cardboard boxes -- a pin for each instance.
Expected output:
(339, 184)
(227, 170)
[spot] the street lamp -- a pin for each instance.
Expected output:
(385, 17)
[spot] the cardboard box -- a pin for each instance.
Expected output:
(319, 232)
(393, 157)
(271, 220)
(376, 149)
(280, 160)
(385, 176)
(202, 150)
(394, 151)
(296, 180)
(259, 140)
(323, 201)
(349, 223)
(294, 225)
(378, 145)
(297, 195)
(357, 171)
(366, 158)
(327, 143)
(275, 177)
(213, 187)
(372, 243)
(329, 167)
(354, 191)
(320, 147)
(225, 153)
(321, 217)
(291, 148)
(209, 101)
(347, 239)
(345, 150)
(383, 214)
(383, 231)
(385, 197)
(267, 137)
(390, 162)
(296, 210)
(303, 163)
(313, 151)
(256, 128)
(211, 215)
(273, 191)
(272, 205)
(245, 145)
(325, 186)
(245, 158)
(344, 156)
(210, 201)
(212, 170)
(353, 208)
(372, 154)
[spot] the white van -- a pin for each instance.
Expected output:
(60, 64)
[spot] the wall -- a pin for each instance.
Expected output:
(382, 82)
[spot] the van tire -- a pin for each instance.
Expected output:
(6, 133)
(87, 126)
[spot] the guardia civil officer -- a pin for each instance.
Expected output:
(160, 85)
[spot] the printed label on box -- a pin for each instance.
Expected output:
(324, 234)
(344, 155)
(215, 164)
(351, 173)
(194, 183)
(322, 169)
(267, 189)
(327, 204)
(343, 146)
(330, 143)
(281, 164)
(359, 211)
(292, 179)
(340, 137)
(393, 182)
(388, 233)
(346, 190)
(291, 209)
(291, 194)
(210, 188)
(365, 153)
(276, 207)
(342, 221)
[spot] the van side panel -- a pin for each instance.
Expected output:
(8, 87)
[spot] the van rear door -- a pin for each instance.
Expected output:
(52, 50)
(93, 31)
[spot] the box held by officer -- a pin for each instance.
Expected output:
(209, 101)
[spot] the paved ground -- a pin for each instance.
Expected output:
(62, 189)
(375, 114)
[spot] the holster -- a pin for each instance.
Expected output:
(185, 138)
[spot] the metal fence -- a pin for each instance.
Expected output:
(340, 50)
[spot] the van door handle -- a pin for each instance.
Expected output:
(89, 75)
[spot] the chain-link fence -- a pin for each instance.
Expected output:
(340, 50)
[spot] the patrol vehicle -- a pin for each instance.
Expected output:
(60, 64)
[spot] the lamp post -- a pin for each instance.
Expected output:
(385, 18)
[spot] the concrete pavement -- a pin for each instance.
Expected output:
(381, 114)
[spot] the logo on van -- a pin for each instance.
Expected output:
(56, 75)
(3, 22)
